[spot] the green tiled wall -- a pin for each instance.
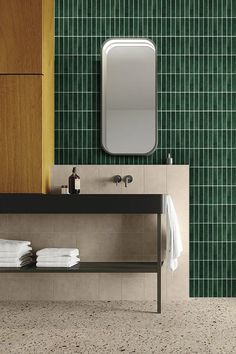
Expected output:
(196, 45)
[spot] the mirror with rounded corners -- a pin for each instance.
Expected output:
(129, 122)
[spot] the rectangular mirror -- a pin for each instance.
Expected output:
(129, 122)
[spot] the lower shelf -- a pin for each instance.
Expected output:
(90, 267)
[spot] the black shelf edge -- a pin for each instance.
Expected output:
(82, 203)
(90, 267)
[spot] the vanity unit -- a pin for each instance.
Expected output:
(91, 204)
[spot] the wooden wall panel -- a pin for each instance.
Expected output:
(26, 95)
(21, 36)
(21, 133)
(48, 94)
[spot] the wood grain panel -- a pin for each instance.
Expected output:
(26, 101)
(21, 133)
(21, 36)
(48, 37)
(48, 93)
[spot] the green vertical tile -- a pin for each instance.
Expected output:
(196, 58)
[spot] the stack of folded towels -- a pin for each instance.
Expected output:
(57, 257)
(15, 253)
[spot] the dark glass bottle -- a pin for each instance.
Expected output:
(74, 182)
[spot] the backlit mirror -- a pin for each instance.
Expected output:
(129, 122)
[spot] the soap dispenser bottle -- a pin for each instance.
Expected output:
(169, 160)
(74, 182)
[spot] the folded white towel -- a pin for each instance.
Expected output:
(58, 252)
(15, 259)
(12, 245)
(57, 259)
(57, 264)
(18, 253)
(15, 264)
(174, 242)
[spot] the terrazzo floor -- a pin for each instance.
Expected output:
(196, 326)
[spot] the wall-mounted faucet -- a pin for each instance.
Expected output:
(117, 179)
(128, 179)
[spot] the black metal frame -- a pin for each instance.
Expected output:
(91, 204)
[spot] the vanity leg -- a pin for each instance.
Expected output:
(159, 236)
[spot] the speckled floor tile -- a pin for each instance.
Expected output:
(196, 326)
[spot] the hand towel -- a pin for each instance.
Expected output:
(12, 245)
(57, 264)
(174, 241)
(15, 259)
(16, 264)
(18, 253)
(58, 252)
(57, 259)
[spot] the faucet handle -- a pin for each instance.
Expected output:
(117, 179)
(128, 179)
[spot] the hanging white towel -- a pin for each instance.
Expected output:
(174, 241)
(12, 245)
(50, 252)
